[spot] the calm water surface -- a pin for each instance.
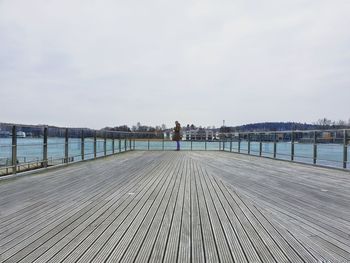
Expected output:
(31, 149)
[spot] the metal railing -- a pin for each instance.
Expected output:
(47, 146)
(318, 147)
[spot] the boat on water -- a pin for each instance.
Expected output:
(20, 134)
(7, 134)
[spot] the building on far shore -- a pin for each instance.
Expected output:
(198, 134)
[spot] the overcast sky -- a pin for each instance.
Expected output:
(107, 63)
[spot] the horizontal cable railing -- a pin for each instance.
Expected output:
(25, 148)
(319, 147)
(35, 147)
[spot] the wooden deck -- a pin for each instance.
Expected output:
(177, 207)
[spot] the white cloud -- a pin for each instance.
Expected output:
(98, 63)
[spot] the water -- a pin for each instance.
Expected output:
(30, 150)
(327, 153)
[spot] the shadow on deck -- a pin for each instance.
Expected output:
(177, 207)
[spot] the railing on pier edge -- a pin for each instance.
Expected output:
(48, 146)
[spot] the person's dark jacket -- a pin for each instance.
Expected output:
(177, 135)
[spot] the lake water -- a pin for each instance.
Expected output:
(31, 149)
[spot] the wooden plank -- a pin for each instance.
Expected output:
(144, 252)
(304, 238)
(44, 216)
(254, 237)
(178, 207)
(210, 246)
(293, 250)
(41, 191)
(197, 245)
(172, 246)
(309, 193)
(66, 245)
(240, 233)
(23, 246)
(316, 226)
(102, 249)
(270, 243)
(219, 234)
(136, 239)
(160, 246)
(288, 250)
(185, 243)
(238, 254)
(103, 239)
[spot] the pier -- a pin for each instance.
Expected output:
(168, 206)
(81, 195)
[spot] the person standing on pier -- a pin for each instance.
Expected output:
(177, 135)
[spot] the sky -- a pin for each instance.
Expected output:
(84, 63)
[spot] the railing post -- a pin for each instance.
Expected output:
(105, 143)
(66, 153)
(130, 144)
(239, 143)
(45, 161)
(113, 144)
(205, 145)
(248, 143)
(275, 145)
(95, 144)
(82, 145)
(148, 144)
(134, 145)
(260, 144)
(120, 145)
(315, 148)
(292, 139)
(345, 151)
(14, 149)
(125, 145)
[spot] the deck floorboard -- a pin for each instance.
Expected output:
(168, 206)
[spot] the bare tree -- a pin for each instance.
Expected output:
(324, 122)
(341, 123)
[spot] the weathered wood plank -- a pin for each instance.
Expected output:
(90, 229)
(177, 207)
(197, 244)
(210, 246)
(172, 247)
(127, 248)
(148, 243)
(104, 245)
(184, 253)
(159, 247)
(238, 254)
(224, 251)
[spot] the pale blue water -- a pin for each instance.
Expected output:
(327, 154)
(31, 149)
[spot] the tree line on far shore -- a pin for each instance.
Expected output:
(320, 124)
